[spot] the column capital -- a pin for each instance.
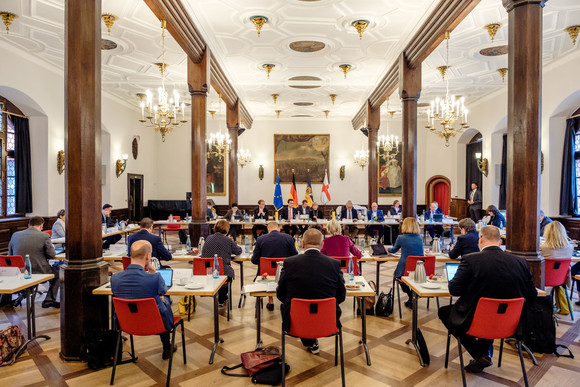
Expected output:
(373, 117)
(202, 91)
(511, 4)
(409, 80)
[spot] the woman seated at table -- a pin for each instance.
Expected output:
(58, 231)
(410, 243)
(218, 243)
(557, 245)
(495, 217)
(337, 245)
(467, 242)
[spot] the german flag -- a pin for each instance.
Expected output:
(293, 193)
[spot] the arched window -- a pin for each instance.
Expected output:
(7, 161)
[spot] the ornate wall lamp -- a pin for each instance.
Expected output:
(121, 165)
(342, 172)
(482, 164)
(261, 172)
(60, 162)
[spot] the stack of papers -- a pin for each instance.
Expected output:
(261, 287)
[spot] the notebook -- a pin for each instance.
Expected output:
(167, 275)
(451, 269)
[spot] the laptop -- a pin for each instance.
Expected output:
(379, 250)
(167, 275)
(437, 217)
(451, 269)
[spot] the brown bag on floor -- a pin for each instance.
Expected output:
(10, 340)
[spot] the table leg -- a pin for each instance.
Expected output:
(258, 321)
(112, 313)
(216, 328)
(378, 273)
(29, 313)
(364, 332)
(452, 236)
(242, 294)
(414, 329)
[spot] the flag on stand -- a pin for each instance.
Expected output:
(325, 194)
(278, 202)
(293, 193)
(308, 194)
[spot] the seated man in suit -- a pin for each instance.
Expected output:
(274, 244)
(303, 210)
(434, 230)
(376, 215)
(491, 273)
(348, 212)
(106, 219)
(260, 212)
(395, 208)
(289, 213)
(234, 215)
(146, 233)
(315, 213)
(135, 282)
(37, 245)
(467, 242)
(544, 220)
(310, 275)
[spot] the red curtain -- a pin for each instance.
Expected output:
(441, 194)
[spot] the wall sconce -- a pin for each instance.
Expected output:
(341, 172)
(121, 165)
(261, 172)
(482, 164)
(60, 162)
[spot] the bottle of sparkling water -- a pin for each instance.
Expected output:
(27, 268)
(350, 269)
(216, 266)
(362, 245)
(247, 244)
(188, 244)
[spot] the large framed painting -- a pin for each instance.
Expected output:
(303, 153)
(216, 174)
(390, 174)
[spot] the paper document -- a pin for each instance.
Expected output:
(260, 287)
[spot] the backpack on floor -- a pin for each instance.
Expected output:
(10, 340)
(540, 327)
(384, 306)
(100, 347)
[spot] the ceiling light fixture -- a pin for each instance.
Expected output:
(503, 72)
(345, 69)
(212, 112)
(278, 113)
(8, 18)
(275, 97)
(389, 145)
(443, 70)
(492, 29)
(572, 31)
(109, 19)
(326, 112)
(333, 97)
(259, 22)
(361, 26)
(268, 67)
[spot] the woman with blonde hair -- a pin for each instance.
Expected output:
(409, 242)
(556, 244)
(338, 245)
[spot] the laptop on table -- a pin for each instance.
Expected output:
(167, 275)
(451, 269)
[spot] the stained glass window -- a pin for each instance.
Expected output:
(9, 134)
(577, 157)
(1, 117)
(10, 186)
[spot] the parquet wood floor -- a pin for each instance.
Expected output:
(393, 362)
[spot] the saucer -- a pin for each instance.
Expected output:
(430, 285)
(194, 286)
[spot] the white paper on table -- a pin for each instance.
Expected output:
(322, 221)
(347, 221)
(296, 221)
(260, 221)
(257, 287)
(182, 273)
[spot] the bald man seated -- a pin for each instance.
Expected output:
(135, 282)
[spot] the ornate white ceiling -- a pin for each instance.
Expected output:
(226, 26)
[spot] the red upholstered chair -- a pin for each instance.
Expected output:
(141, 317)
(429, 263)
(494, 319)
(269, 265)
(313, 319)
(344, 264)
(556, 271)
(200, 266)
(126, 261)
(49, 232)
(172, 227)
(12, 261)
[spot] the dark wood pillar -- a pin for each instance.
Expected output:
(84, 268)
(198, 83)
(374, 122)
(409, 90)
(233, 123)
(523, 161)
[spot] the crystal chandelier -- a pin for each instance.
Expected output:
(361, 158)
(244, 157)
(447, 111)
(218, 145)
(162, 115)
(388, 144)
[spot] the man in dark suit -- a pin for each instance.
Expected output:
(260, 212)
(146, 233)
(37, 245)
(544, 220)
(289, 213)
(474, 202)
(467, 242)
(235, 215)
(375, 215)
(274, 244)
(135, 282)
(348, 212)
(303, 210)
(106, 219)
(437, 230)
(310, 275)
(315, 213)
(490, 273)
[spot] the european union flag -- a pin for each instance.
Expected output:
(278, 202)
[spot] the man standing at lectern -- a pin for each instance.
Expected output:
(474, 202)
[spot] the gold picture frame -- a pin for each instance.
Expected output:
(390, 174)
(216, 174)
(302, 153)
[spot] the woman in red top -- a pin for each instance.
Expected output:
(337, 245)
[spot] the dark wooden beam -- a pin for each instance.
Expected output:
(233, 124)
(374, 122)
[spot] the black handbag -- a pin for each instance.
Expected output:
(384, 306)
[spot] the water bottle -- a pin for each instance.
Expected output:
(350, 269)
(27, 268)
(247, 244)
(200, 244)
(362, 245)
(171, 217)
(188, 244)
(245, 217)
(216, 267)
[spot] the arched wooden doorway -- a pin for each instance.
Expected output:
(438, 189)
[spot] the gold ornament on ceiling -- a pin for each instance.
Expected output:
(492, 29)
(107, 44)
(109, 19)
(307, 46)
(326, 112)
(278, 113)
(442, 70)
(333, 97)
(8, 18)
(572, 31)
(345, 69)
(494, 51)
(275, 97)
(212, 112)
(162, 67)
(259, 22)
(361, 26)
(268, 67)
(503, 72)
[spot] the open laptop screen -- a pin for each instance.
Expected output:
(451, 269)
(167, 275)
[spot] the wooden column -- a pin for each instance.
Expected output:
(374, 122)
(84, 268)
(523, 161)
(233, 123)
(409, 90)
(198, 83)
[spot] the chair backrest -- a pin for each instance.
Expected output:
(12, 261)
(49, 232)
(556, 270)
(496, 318)
(139, 317)
(429, 262)
(311, 319)
(269, 265)
(126, 261)
(201, 264)
(176, 218)
(173, 226)
(344, 263)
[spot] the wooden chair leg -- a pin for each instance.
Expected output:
(461, 362)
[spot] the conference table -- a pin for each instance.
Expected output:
(267, 288)
(110, 232)
(210, 288)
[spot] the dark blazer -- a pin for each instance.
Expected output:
(428, 213)
(354, 213)
(284, 213)
(316, 214)
(37, 245)
(476, 199)
(490, 273)
(224, 247)
(543, 224)
(497, 220)
(304, 211)
(468, 243)
(159, 250)
(135, 283)
(209, 214)
(238, 215)
(395, 211)
(380, 215)
(273, 245)
(108, 221)
(265, 216)
(311, 276)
